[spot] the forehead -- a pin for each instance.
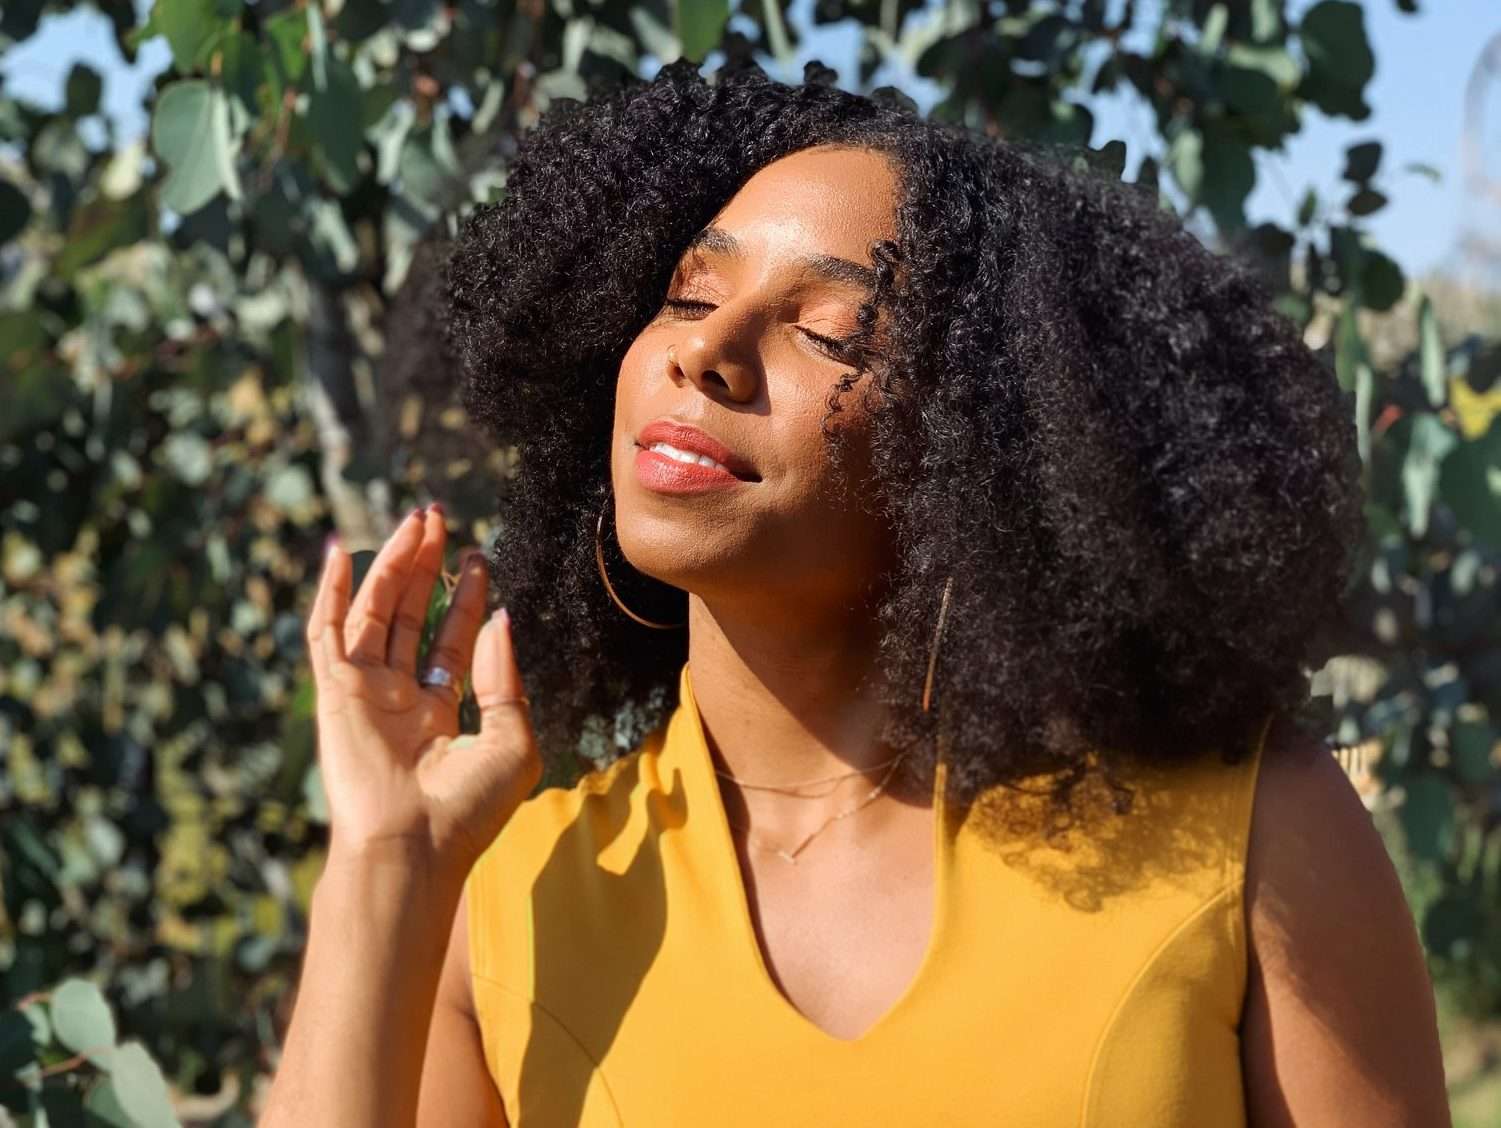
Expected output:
(831, 200)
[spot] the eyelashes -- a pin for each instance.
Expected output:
(840, 350)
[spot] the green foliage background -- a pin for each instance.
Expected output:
(194, 389)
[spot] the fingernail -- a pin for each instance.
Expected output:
(503, 617)
(415, 513)
(329, 542)
(437, 507)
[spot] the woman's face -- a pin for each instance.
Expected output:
(744, 354)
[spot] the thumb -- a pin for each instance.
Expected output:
(505, 716)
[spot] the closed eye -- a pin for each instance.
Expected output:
(684, 303)
(840, 350)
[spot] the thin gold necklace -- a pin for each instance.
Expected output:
(786, 788)
(791, 855)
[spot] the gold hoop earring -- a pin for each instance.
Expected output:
(943, 614)
(599, 557)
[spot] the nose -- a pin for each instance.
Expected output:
(709, 358)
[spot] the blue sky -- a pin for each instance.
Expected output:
(1423, 63)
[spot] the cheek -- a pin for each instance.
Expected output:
(631, 381)
(850, 429)
(816, 479)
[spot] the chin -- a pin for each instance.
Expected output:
(692, 550)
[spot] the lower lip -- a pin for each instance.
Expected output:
(667, 475)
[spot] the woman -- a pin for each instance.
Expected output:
(943, 537)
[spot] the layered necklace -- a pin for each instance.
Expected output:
(793, 789)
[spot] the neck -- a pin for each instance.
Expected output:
(785, 701)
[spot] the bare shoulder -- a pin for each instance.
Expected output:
(1339, 1023)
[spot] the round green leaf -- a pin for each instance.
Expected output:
(1381, 281)
(699, 24)
(190, 131)
(1361, 161)
(1340, 62)
(82, 89)
(103, 1106)
(1366, 201)
(192, 28)
(82, 1019)
(140, 1087)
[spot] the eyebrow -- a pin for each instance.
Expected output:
(829, 267)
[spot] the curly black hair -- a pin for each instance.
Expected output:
(1142, 484)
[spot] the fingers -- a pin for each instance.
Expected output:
(367, 628)
(497, 681)
(325, 629)
(453, 645)
(411, 611)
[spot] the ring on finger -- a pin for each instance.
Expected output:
(443, 678)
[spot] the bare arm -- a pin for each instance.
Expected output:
(457, 1090)
(412, 804)
(1339, 1025)
(369, 977)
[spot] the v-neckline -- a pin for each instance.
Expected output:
(700, 767)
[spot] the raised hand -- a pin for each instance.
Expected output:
(396, 771)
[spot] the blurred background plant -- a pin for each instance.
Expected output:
(216, 346)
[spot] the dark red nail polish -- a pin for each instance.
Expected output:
(415, 513)
(437, 507)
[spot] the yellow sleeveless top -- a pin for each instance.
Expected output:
(618, 979)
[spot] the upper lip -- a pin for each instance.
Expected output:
(691, 439)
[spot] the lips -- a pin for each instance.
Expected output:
(693, 441)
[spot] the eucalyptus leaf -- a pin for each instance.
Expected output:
(81, 1018)
(334, 112)
(1185, 160)
(1340, 62)
(1431, 362)
(1229, 175)
(1365, 202)
(192, 28)
(699, 24)
(140, 1087)
(1308, 208)
(81, 90)
(190, 131)
(1266, 20)
(1428, 445)
(1362, 161)
(285, 35)
(1381, 281)
(102, 1103)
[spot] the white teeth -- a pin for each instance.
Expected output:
(685, 456)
